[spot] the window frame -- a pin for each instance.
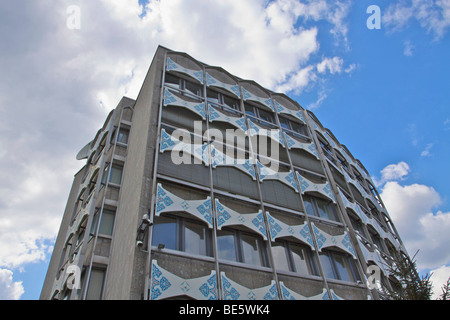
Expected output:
(115, 167)
(310, 261)
(350, 267)
(180, 235)
(290, 129)
(102, 273)
(239, 249)
(327, 150)
(221, 101)
(182, 85)
(255, 114)
(123, 134)
(315, 206)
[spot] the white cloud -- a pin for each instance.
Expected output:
(413, 211)
(426, 152)
(61, 83)
(439, 278)
(9, 290)
(432, 15)
(447, 124)
(393, 172)
(333, 65)
(408, 48)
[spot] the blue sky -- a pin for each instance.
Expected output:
(384, 93)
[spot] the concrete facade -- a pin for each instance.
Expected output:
(293, 215)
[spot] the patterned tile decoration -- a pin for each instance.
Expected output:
(81, 216)
(221, 159)
(353, 206)
(356, 185)
(266, 173)
(87, 179)
(211, 81)
(324, 134)
(229, 217)
(170, 143)
(103, 133)
(168, 202)
(274, 134)
(346, 156)
(325, 240)
(289, 294)
(297, 114)
(374, 200)
(234, 291)
(217, 115)
(383, 234)
(247, 95)
(165, 284)
(293, 143)
(173, 100)
(280, 229)
(308, 186)
(173, 66)
(375, 257)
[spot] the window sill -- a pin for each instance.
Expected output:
(245, 265)
(298, 275)
(346, 283)
(182, 254)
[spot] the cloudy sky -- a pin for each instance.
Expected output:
(383, 92)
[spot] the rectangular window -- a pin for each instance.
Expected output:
(250, 111)
(195, 238)
(255, 112)
(309, 207)
(293, 257)
(123, 136)
(165, 232)
(325, 209)
(227, 245)
(339, 266)
(172, 80)
(183, 84)
(327, 151)
(95, 288)
(280, 256)
(357, 225)
(213, 96)
(193, 88)
(320, 208)
(231, 103)
(115, 175)
(301, 258)
(265, 115)
(236, 245)
(182, 234)
(293, 126)
(252, 252)
(107, 222)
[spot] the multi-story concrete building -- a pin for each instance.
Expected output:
(208, 186)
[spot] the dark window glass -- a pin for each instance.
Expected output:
(251, 250)
(265, 115)
(280, 256)
(249, 110)
(195, 238)
(226, 245)
(165, 232)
